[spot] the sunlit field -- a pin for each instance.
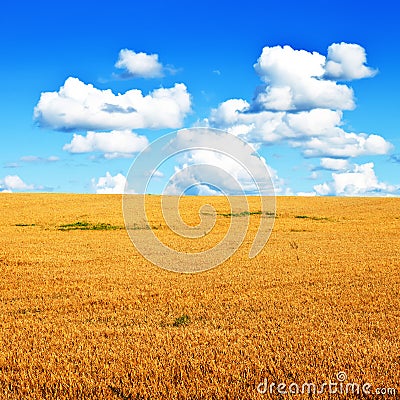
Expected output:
(84, 315)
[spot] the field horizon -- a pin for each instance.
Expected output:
(84, 315)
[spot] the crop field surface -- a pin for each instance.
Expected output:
(85, 316)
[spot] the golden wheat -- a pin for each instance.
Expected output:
(84, 315)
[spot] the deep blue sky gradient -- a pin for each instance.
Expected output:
(43, 43)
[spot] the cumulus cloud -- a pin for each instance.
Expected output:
(220, 162)
(80, 106)
(113, 144)
(233, 116)
(346, 61)
(360, 181)
(229, 112)
(316, 122)
(294, 81)
(109, 184)
(221, 166)
(139, 65)
(301, 103)
(345, 144)
(14, 182)
(317, 132)
(334, 164)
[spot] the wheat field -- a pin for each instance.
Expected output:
(85, 316)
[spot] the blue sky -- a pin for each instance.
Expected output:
(211, 49)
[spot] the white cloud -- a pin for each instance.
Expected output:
(316, 132)
(319, 134)
(220, 162)
(346, 61)
(295, 81)
(80, 106)
(109, 184)
(229, 112)
(139, 65)
(316, 122)
(301, 105)
(334, 164)
(217, 167)
(233, 116)
(360, 181)
(113, 144)
(275, 98)
(14, 182)
(344, 144)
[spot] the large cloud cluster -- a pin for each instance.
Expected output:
(108, 118)
(295, 81)
(80, 106)
(302, 103)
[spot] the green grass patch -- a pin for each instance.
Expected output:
(88, 226)
(312, 218)
(246, 213)
(25, 224)
(182, 320)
